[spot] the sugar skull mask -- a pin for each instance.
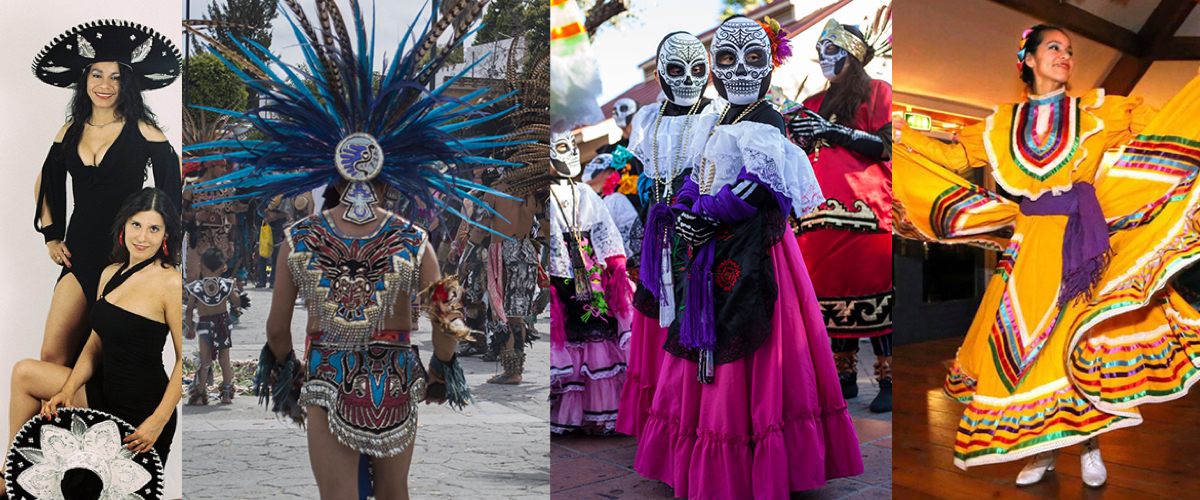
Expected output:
(741, 61)
(564, 154)
(683, 68)
(832, 59)
(623, 111)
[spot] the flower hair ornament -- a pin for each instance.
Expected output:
(781, 45)
(79, 453)
(1021, 50)
(327, 123)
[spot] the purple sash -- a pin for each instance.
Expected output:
(1085, 247)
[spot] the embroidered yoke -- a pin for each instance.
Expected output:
(351, 282)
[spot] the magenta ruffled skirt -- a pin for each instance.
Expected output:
(585, 386)
(645, 356)
(771, 423)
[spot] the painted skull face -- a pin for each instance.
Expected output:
(682, 68)
(741, 61)
(832, 58)
(600, 163)
(564, 154)
(623, 111)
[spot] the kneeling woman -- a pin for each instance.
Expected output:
(138, 305)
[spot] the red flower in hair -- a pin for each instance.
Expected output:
(781, 47)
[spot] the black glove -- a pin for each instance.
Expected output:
(810, 127)
(694, 228)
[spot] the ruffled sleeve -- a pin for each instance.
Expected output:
(606, 238)
(164, 162)
(758, 149)
(52, 192)
(1124, 117)
(643, 120)
(969, 152)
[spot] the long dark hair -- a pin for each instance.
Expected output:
(844, 98)
(1036, 35)
(147, 200)
(130, 105)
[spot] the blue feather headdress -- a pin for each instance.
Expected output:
(326, 122)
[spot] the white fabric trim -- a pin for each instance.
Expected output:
(641, 138)
(623, 215)
(593, 217)
(763, 151)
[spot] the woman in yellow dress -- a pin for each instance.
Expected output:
(1079, 324)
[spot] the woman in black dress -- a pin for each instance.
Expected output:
(138, 306)
(108, 145)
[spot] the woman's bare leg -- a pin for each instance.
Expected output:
(334, 464)
(66, 323)
(32, 382)
(391, 475)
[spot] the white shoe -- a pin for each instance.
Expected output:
(1036, 469)
(1091, 465)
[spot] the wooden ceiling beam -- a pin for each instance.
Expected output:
(1158, 33)
(1125, 74)
(1079, 21)
(1155, 37)
(1181, 48)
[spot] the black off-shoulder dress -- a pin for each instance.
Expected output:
(99, 191)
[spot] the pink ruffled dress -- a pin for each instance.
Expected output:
(588, 330)
(773, 419)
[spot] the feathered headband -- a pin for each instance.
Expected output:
(781, 45)
(836, 33)
(338, 121)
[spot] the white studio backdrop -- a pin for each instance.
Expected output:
(33, 113)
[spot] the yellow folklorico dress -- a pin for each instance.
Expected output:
(1037, 376)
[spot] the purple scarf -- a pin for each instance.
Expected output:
(1085, 241)
(698, 330)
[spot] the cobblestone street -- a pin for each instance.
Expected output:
(497, 448)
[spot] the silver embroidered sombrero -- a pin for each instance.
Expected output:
(79, 454)
(152, 56)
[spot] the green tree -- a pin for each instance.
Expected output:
(210, 83)
(506, 19)
(537, 31)
(254, 16)
(455, 57)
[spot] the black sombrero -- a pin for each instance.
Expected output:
(79, 454)
(153, 57)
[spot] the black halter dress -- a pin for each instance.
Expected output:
(134, 378)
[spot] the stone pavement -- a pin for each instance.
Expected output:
(601, 467)
(495, 449)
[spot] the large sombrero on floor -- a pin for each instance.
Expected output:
(78, 455)
(152, 56)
